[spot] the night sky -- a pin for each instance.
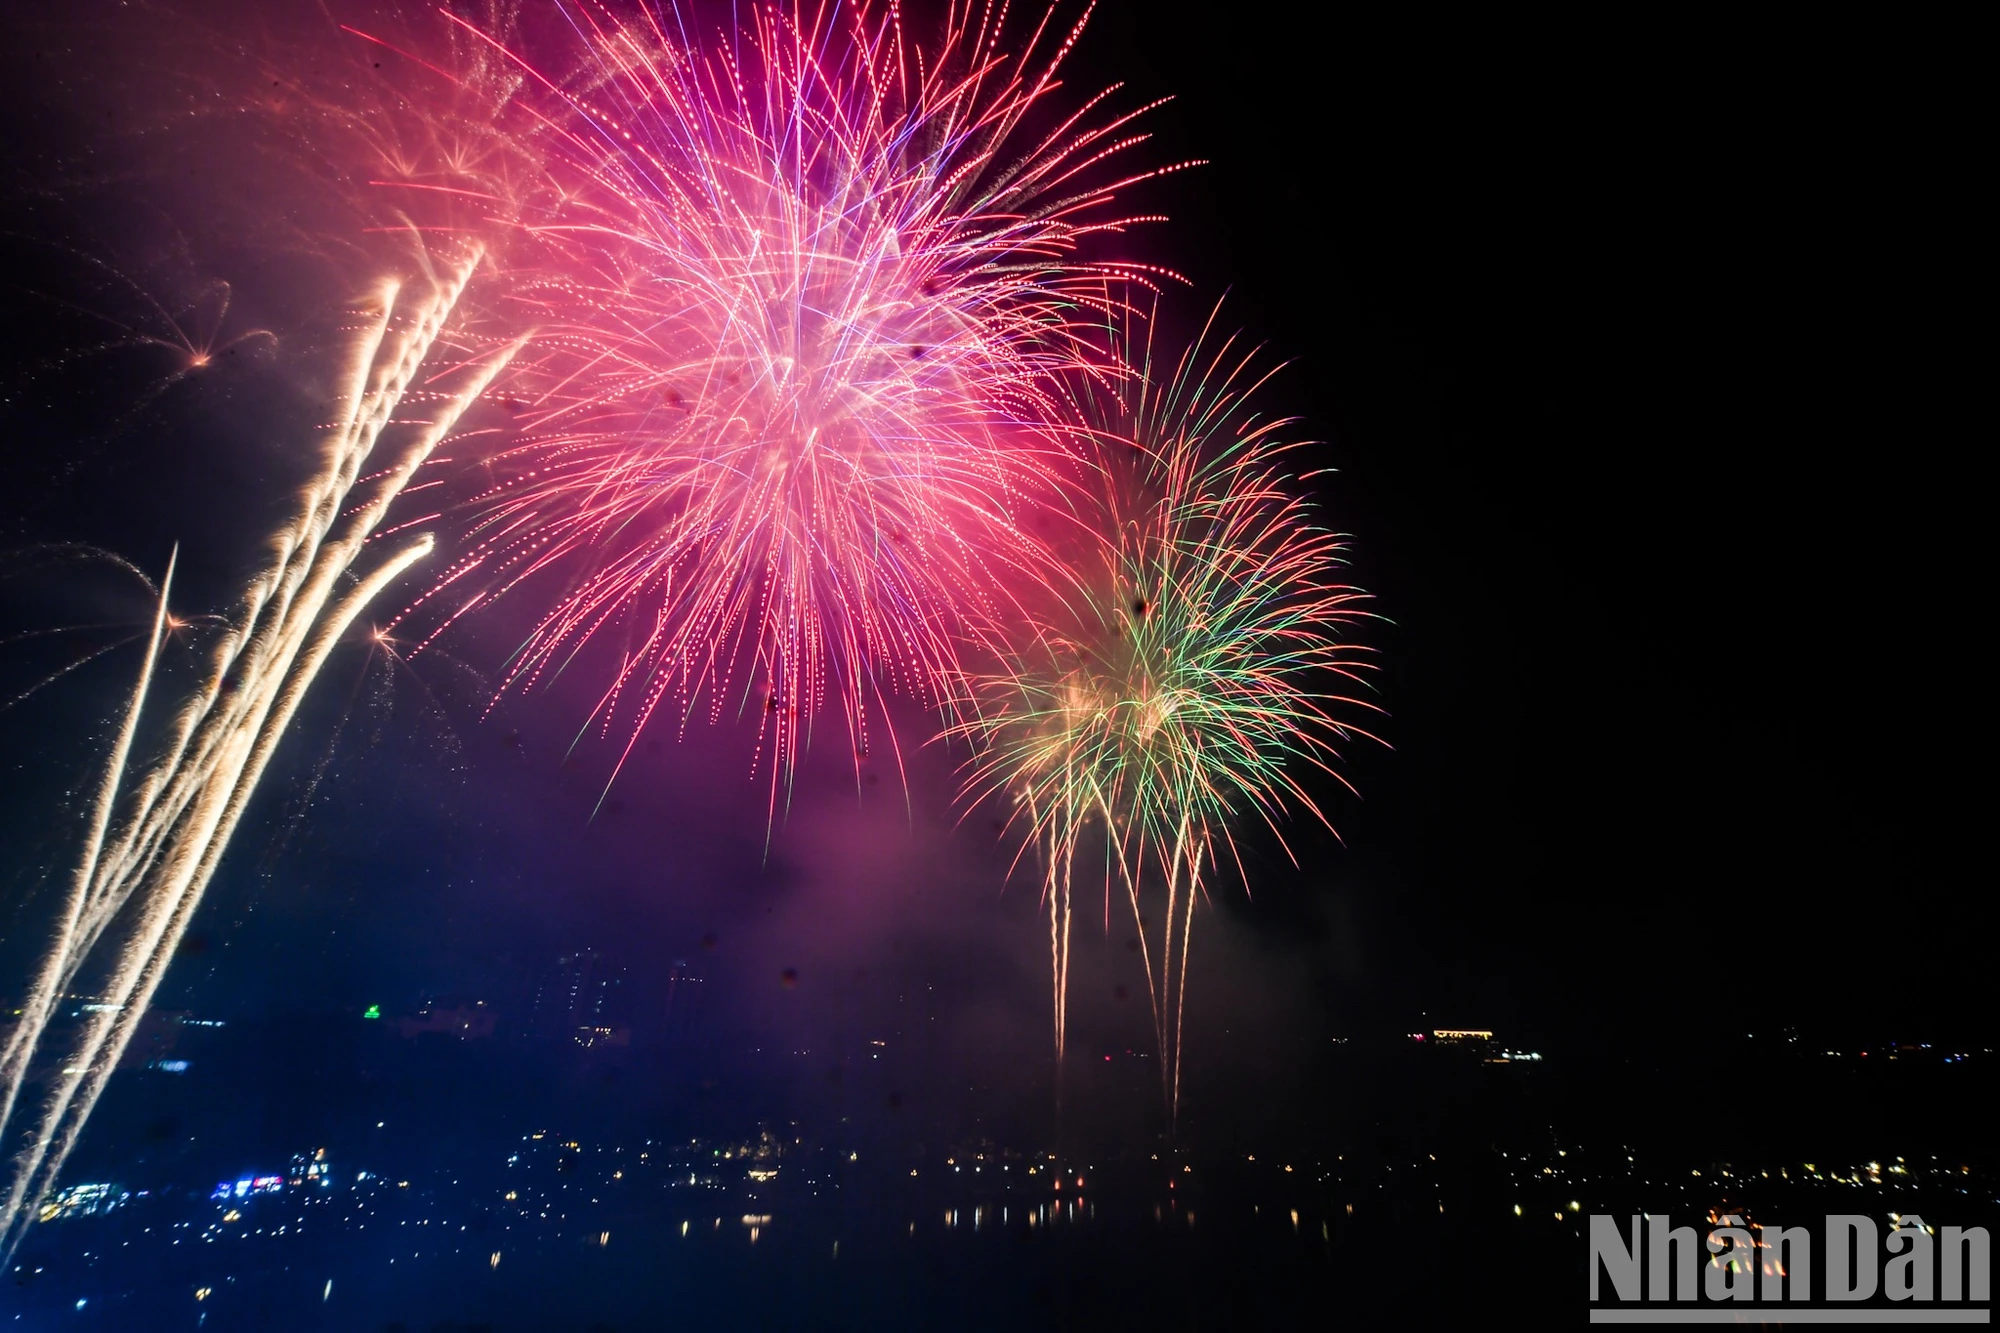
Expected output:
(1632, 347)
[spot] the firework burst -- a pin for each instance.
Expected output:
(1183, 668)
(805, 303)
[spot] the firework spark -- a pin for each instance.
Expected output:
(1176, 678)
(804, 302)
(152, 845)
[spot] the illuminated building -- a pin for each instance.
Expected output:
(83, 1201)
(311, 1169)
(1468, 1041)
(244, 1187)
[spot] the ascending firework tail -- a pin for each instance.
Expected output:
(142, 875)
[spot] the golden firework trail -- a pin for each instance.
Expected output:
(1189, 657)
(156, 832)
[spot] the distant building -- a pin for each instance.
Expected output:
(245, 1187)
(685, 1000)
(83, 1201)
(1471, 1041)
(310, 1169)
(584, 993)
(467, 1022)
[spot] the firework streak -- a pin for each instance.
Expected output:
(155, 836)
(806, 307)
(1169, 684)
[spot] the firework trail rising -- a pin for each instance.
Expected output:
(154, 838)
(1175, 677)
(805, 303)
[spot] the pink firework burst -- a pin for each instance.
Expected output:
(805, 302)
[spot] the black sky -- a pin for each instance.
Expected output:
(1635, 347)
